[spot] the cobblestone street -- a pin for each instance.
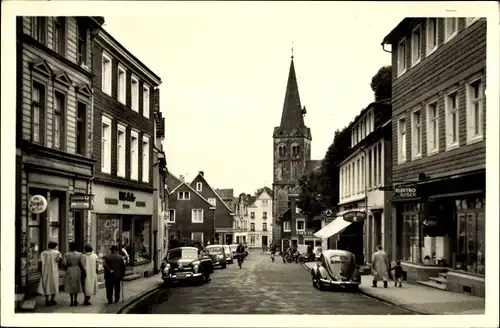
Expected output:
(262, 287)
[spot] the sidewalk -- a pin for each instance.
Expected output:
(131, 290)
(420, 299)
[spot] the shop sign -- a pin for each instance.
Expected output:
(80, 202)
(405, 192)
(126, 196)
(354, 216)
(126, 205)
(305, 233)
(140, 204)
(37, 204)
(328, 216)
(111, 201)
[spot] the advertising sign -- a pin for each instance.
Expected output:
(80, 202)
(37, 204)
(405, 192)
(354, 216)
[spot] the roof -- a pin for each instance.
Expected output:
(388, 37)
(173, 181)
(216, 194)
(227, 194)
(197, 193)
(380, 103)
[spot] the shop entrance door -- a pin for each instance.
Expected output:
(79, 229)
(264, 241)
(127, 241)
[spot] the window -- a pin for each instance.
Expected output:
(134, 155)
(135, 94)
(401, 140)
(363, 173)
(196, 216)
(252, 215)
(358, 177)
(81, 128)
(59, 120)
(252, 226)
(145, 101)
(212, 201)
(82, 43)
(197, 236)
(475, 92)
(183, 195)
(375, 165)
(106, 74)
(106, 145)
(199, 186)
(145, 158)
(402, 57)
(432, 128)
(301, 225)
(60, 35)
(265, 202)
(38, 117)
(432, 35)
(416, 48)
(452, 120)
(471, 20)
(264, 226)
(120, 151)
(410, 236)
(450, 28)
(171, 215)
(286, 226)
(264, 215)
(416, 138)
(142, 240)
(39, 29)
(122, 85)
(282, 151)
(380, 182)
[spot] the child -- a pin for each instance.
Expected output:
(398, 273)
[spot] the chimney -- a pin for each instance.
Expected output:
(201, 172)
(181, 177)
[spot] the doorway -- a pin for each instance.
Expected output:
(264, 241)
(79, 223)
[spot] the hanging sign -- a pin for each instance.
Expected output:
(80, 202)
(354, 216)
(37, 204)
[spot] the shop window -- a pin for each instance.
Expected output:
(410, 242)
(108, 234)
(142, 240)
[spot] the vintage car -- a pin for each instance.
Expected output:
(317, 252)
(233, 248)
(216, 252)
(229, 254)
(337, 268)
(186, 263)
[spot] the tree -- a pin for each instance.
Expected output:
(266, 188)
(311, 186)
(381, 83)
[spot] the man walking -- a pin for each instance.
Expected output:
(380, 267)
(114, 270)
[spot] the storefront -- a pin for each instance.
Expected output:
(124, 217)
(442, 225)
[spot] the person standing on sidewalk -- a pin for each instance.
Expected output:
(75, 273)
(398, 273)
(90, 284)
(50, 260)
(380, 267)
(114, 270)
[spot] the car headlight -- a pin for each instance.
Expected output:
(196, 268)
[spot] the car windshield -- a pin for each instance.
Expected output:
(339, 259)
(317, 249)
(191, 254)
(214, 250)
(226, 248)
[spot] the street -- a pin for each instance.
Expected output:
(261, 287)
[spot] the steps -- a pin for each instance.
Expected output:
(438, 282)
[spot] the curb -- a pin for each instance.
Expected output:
(137, 299)
(381, 299)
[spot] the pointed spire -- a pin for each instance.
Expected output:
(292, 115)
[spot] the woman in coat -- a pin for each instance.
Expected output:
(380, 267)
(50, 260)
(75, 271)
(91, 268)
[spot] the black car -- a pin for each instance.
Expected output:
(186, 263)
(216, 252)
(337, 268)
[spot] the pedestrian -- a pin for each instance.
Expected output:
(50, 261)
(91, 268)
(398, 273)
(114, 270)
(75, 273)
(380, 267)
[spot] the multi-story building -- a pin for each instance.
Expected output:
(241, 224)
(260, 210)
(362, 174)
(54, 163)
(291, 150)
(439, 149)
(124, 128)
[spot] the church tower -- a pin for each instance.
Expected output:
(292, 149)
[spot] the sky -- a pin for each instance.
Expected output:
(224, 68)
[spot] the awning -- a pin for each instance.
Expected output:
(336, 225)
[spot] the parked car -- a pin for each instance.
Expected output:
(186, 263)
(337, 268)
(229, 254)
(317, 252)
(217, 254)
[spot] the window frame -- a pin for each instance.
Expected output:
(106, 153)
(106, 79)
(214, 203)
(182, 193)
(134, 86)
(85, 42)
(471, 136)
(121, 95)
(289, 226)
(402, 155)
(436, 35)
(42, 105)
(134, 159)
(121, 152)
(264, 226)
(40, 36)
(399, 70)
(252, 226)
(297, 224)
(60, 24)
(200, 185)
(62, 117)
(145, 145)
(414, 138)
(429, 122)
(146, 109)
(85, 125)
(171, 210)
(202, 236)
(192, 216)
(449, 128)
(415, 61)
(471, 20)
(447, 36)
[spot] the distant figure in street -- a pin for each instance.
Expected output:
(398, 274)
(75, 273)
(50, 260)
(380, 267)
(114, 270)
(91, 268)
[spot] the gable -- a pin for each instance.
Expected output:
(84, 89)
(42, 67)
(173, 181)
(201, 178)
(279, 132)
(185, 187)
(297, 133)
(63, 78)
